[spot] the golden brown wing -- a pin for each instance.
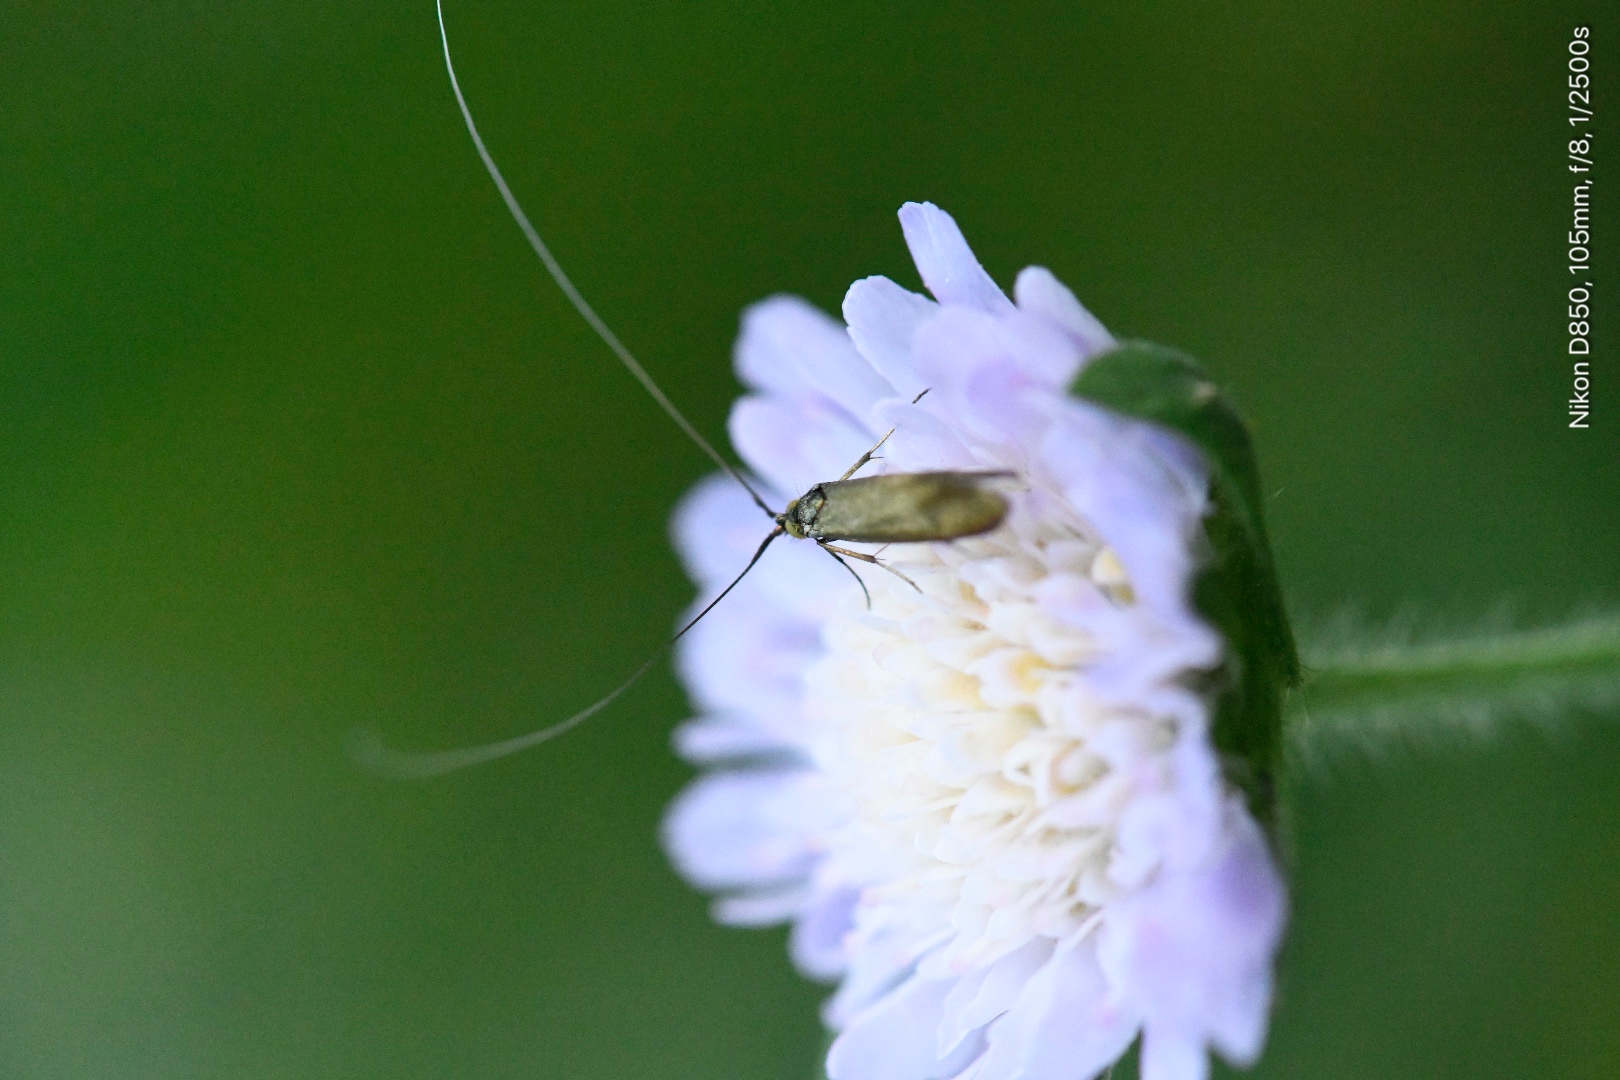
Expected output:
(908, 507)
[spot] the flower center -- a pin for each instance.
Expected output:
(956, 727)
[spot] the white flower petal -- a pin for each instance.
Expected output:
(984, 995)
(921, 441)
(946, 263)
(746, 828)
(751, 662)
(960, 346)
(725, 737)
(894, 1039)
(1064, 1026)
(1195, 948)
(995, 379)
(792, 349)
(1040, 293)
(764, 907)
(716, 528)
(1147, 508)
(879, 961)
(818, 942)
(796, 444)
(1173, 1057)
(883, 320)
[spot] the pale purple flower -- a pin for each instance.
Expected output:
(991, 809)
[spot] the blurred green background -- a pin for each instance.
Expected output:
(295, 437)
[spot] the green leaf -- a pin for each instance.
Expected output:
(1237, 588)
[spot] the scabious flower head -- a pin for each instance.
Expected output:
(990, 806)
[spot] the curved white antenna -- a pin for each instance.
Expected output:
(564, 283)
(366, 748)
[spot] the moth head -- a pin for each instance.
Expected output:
(800, 516)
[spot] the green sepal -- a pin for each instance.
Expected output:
(1237, 588)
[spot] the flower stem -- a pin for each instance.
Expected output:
(1393, 691)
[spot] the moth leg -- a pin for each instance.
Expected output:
(864, 591)
(873, 559)
(864, 458)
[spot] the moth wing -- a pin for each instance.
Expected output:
(912, 507)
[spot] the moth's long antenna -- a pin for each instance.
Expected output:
(370, 752)
(567, 286)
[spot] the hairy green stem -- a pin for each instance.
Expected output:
(1378, 692)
